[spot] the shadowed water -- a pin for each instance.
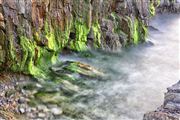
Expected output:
(137, 77)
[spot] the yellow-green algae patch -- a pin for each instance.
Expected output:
(97, 34)
(81, 31)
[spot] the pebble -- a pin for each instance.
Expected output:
(42, 108)
(33, 109)
(41, 115)
(56, 111)
(21, 100)
(22, 110)
(38, 85)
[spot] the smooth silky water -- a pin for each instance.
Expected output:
(137, 77)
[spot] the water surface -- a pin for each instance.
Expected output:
(138, 77)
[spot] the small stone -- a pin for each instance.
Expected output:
(21, 100)
(42, 108)
(38, 85)
(41, 115)
(33, 109)
(22, 110)
(56, 111)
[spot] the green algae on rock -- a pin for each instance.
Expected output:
(33, 36)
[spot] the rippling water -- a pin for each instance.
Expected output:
(138, 77)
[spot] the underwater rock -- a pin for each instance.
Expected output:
(68, 88)
(170, 110)
(54, 98)
(76, 67)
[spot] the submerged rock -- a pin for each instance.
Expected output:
(170, 110)
(54, 98)
(68, 87)
(76, 67)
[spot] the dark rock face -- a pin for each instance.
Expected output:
(172, 6)
(170, 110)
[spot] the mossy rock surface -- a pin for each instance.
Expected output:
(78, 68)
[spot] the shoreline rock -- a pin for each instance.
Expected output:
(170, 110)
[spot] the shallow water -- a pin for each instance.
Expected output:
(138, 77)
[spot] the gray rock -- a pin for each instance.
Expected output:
(160, 116)
(172, 106)
(174, 88)
(21, 100)
(172, 97)
(170, 110)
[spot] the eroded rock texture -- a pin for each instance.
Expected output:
(172, 6)
(33, 32)
(170, 110)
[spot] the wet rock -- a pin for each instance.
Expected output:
(160, 116)
(71, 110)
(54, 98)
(170, 110)
(70, 67)
(107, 25)
(175, 88)
(112, 40)
(172, 106)
(68, 87)
(172, 97)
(123, 38)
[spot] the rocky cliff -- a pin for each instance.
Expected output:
(170, 110)
(33, 32)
